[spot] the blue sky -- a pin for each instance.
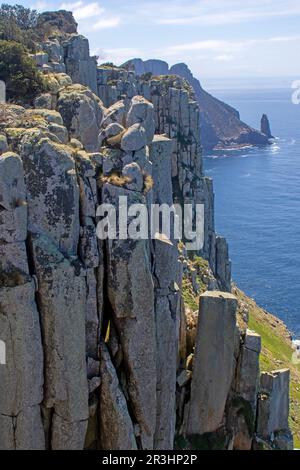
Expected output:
(216, 38)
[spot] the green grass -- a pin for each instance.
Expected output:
(277, 354)
(277, 348)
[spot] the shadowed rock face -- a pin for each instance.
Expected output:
(265, 126)
(221, 126)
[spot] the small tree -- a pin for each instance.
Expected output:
(24, 18)
(19, 72)
(19, 24)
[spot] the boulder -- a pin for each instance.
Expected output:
(115, 114)
(43, 101)
(133, 173)
(141, 112)
(135, 138)
(82, 113)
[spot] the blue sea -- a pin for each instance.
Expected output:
(257, 196)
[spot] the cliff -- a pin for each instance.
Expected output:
(118, 343)
(221, 126)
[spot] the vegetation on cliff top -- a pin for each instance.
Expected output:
(19, 72)
(19, 24)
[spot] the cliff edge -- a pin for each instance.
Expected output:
(221, 126)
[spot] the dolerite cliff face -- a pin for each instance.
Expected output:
(102, 351)
(221, 126)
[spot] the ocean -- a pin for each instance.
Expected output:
(257, 199)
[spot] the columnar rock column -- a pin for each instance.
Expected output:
(213, 362)
(167, 299)
(21, 377)
(273, 409)
(129, 284)
(242, 407)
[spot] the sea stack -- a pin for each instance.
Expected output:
(265, 126)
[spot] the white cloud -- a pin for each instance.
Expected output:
(118, 55)
(82, 11)
(217, 13)
(40, 5)
(220, 46)
(224, 58)
(284, 39)
(105, 23)
(224, 48)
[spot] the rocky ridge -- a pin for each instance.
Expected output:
(72, 306)
(221, 126)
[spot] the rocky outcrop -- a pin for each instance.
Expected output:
(213, 362)
(105, 346)
(60, 22)
(265, 126)
(21, 389)
(177, 117)
(82, 114)
(273, 410)
(221, 126)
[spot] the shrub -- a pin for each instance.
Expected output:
(24, 18)
(19, 24)
(19, 72)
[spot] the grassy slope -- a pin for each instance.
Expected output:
(276, 343)
(276, 354)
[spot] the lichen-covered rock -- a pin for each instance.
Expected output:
(3, 144)
(134, 138)
(111, 130)
(115, 114)
(131, 295)
(79, 65)
(167, 309)
(133, 173)
(13, 216)
(62, 302)
(242, 409)
(160, 154)
(141, 111)
(82, 113)
(43, 101)
(116, 427)
(21, 379)
(50, 177)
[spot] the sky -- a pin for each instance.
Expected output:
(218, 39)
